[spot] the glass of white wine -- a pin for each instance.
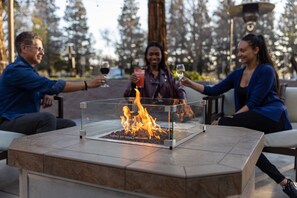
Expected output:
(180, 71)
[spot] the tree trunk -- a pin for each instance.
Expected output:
(293, 62)
(3, 51)
(157, 23)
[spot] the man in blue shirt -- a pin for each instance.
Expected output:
(23, 90)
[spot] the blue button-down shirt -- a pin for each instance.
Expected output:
(21, 89)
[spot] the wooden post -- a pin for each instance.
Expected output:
(3, 52)
(11, 31)
(157, 23)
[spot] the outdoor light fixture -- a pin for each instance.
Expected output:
(250, 12)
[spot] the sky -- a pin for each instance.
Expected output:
(103, 14)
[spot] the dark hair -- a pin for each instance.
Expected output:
(26, 38)
(263, 54)
(162, 63)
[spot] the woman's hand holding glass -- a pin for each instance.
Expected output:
(180, 71)
(133, 78)
(186, 81)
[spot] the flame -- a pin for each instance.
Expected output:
(141, 122)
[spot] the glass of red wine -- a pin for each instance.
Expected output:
(104, 69)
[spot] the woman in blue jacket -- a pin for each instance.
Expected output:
(257, 102)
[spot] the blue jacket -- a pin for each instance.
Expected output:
(262, 96)
(22, 88)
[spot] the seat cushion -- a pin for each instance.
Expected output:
(287, 139)
(294, 125)
(229, 107)
(6, 138)
(291, 95)
(193, 95)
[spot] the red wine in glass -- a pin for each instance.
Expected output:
(104, 69)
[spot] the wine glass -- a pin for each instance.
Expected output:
(104, 69)
(180, 71)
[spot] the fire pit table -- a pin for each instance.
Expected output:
(142, 121)
(82, 162)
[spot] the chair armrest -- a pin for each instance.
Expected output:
(3, 155)
(214, 108)
(60, 106)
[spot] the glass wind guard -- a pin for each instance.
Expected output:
(149, 122)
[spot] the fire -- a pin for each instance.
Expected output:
(141, 122)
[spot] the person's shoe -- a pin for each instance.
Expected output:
(290, 189)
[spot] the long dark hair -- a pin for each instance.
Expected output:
(162, 65)
(263, 54)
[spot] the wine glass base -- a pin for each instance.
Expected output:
(105, 85)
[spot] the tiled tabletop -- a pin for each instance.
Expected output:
(224, 156)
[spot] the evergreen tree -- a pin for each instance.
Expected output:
(22, 16)
(46, 23)
(266, 27)
(222, 38)
(288, 36)
(177, 34)
(130, 46)
(20, 12)
(78, 36)
(200, 34)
